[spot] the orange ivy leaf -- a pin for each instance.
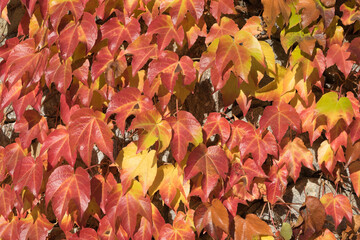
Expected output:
(213, 217)
(293, 154)
(279, 118)
(215, 124)
(169, 182)
(164, 27)
(326, 157)
(35, 226)
(310, 11)
(227, 27)
(9, 230)
(186, 130)
(65, 186)
(179, 230)
(211, 162)
(180, 7)
(250, 227)
(239, 129)
(218, 7)
(354, 169)
(13, 154)
(272, 10)
(156, 129)
(339, 56)
(337, 207)
(87, 127)
(124, 208)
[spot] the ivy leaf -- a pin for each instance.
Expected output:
(326, 157)
(156, 129)
(145, 230)
(125, 207)
(338, 55)
(7, 197)
(293, 154)
(213, 217)
(239, 129)
(310, 11)
(127, 102)
(169, 67)
(9, 230)
(215, 124)
(116, 32)
(35, 226)
(25, 59)
(354, 169)
(101, 187)
(87, 127)
(68, 40)
(28, 172)
(13, 154)
(142, 51)
(87, 30)
(142, 165)
(258, 145)
(57, 145)
(337, 207)
(335, 109)
(276, 183)
(65, 186)
(186, 130)
(59, 73)
(232, 50)
(227, 27)
(85, 234)
(169, 182)
(179, 230)
(30, 126)
(163, 26)
(354, 129)
(3, 169)
(59, 8)
(105, 62)
(279, 118)
(211, 162)
(180, 7)
(218, 7)
(250, 227)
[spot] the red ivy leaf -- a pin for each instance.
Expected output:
(166, 31)
(218, 7)
(279, 118)
(179, 230)
(127, 102)
(7, 197)
(28, 172)
(338, 55)
(227, 27)
(215, 124)
(59, 8)
(239, 129)
(276, 183)
(87, 31)
(25, 59)
(186, 130)
(68, 40)
(57, 145)
(65, 185)
(59, 73)
(142, 51)
(13, 154)
(30, 126)
(211, 162)
(116, 32)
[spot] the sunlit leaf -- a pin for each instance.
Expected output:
(337, 207)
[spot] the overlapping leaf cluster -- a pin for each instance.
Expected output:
(123, 156)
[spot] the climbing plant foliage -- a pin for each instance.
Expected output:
(113, 137)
